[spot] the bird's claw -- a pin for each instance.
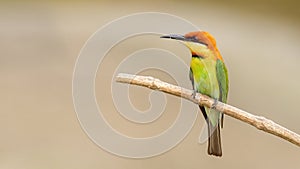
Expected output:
(214, 105)
(194, 94)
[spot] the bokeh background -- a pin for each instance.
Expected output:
(40, 42)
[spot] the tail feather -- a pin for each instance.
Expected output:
(214, 140)
(214, 136)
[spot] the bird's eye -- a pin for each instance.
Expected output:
(195, 39)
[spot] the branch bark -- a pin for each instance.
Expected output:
(259, 122)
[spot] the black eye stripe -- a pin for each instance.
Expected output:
(195, 39)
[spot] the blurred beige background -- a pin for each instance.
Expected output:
(40, 42)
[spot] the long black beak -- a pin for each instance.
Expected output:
(174, 36)
(182, 38)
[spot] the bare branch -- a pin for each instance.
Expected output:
(259, 122)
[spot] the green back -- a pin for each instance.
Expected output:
(222, 77)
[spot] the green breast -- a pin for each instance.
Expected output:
(205, 79)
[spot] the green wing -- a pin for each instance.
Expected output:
(222, 77)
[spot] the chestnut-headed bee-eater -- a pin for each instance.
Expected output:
(209, 76)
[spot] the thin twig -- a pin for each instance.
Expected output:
(259, 122)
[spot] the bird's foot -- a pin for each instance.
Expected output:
(194, 94)
(214, 105)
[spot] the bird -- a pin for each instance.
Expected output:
(209, 76)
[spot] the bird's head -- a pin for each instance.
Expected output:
(200, 43)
